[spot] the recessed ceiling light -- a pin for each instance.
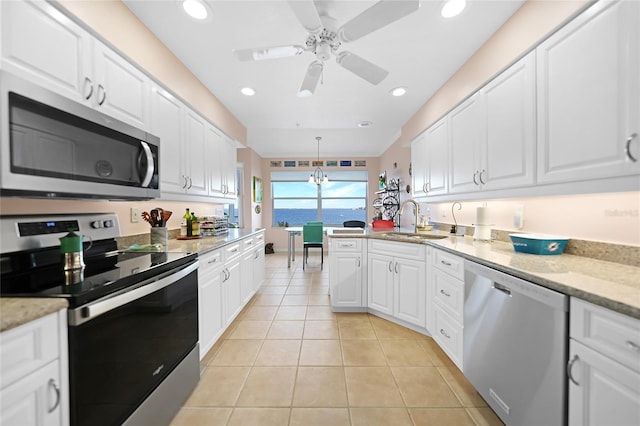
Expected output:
(452, 8)
(196, 9)
(365, 124)
(247, 91)
(398, 91)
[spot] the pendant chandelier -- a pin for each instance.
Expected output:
(318, 175)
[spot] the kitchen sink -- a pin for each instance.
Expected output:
(413, 237)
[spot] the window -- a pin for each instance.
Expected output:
(296, 202)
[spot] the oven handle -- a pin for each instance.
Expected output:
(92, 310)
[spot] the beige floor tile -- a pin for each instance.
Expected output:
(440, 417)
(291, 313)
(273, 289)
(359, 329)
(320, 352)
(320, 313)
(387, 330)
(380, 417)
(353, 317)
(424, 387)
(464, 390)
(237, 352)
(320, 387)
(372, 387)
(321, 330)
(484, 416)
(298, 290)
(255, 312)
(319, 290)
(267, 300)
(268, 387)
(251, 330)
(362, 352)
(319, 417)
(295, 300)
(189, 416)
(437, 355)
(279, 352)
(319, 300)
(286, 330)
(218, 387)
(259, 416)
(405, 352)
(301, 280)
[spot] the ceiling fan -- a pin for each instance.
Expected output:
(325, 38)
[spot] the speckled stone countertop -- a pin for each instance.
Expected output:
(15, 311)
(613, 285)
(206, 244)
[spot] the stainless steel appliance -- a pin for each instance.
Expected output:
(54, 147)
(515, 346)
(133, 316)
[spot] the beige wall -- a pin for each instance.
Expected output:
(252, 165)
(112, 20)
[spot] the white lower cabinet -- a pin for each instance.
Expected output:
(604, 367)
(346, 274)
(231, 290)
(210, 324)
(247, 286)
(34, 381)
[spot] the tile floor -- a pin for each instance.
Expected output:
(288, 360)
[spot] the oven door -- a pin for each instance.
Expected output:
(123, 346)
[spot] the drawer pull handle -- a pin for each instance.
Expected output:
(570, 369)
(445, 263)
(445, 293)
(444, 333)
(214, 260)
(632, 346)
(234, 250)
(56, 389)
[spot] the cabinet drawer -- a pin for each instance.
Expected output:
(402, 250)
(449, 294)
(211, 260)
(247, 244)
(259, 238)
(608, 332)
(346, 244)
(449, 263)
(28, 347)
(448, 334)
(231, 251)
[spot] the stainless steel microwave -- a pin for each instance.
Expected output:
(53, 147)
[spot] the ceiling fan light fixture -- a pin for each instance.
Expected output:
(318, 176)
(196, 9)
(398, 91)
(248, 91)
(452, 8)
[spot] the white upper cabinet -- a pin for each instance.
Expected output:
(429, 160)
(419, 165)
(467, 139)
(195, 158)
(589, 96)
(222, 164)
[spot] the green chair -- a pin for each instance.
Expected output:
(312, 236)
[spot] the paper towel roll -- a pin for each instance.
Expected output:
(482, 216)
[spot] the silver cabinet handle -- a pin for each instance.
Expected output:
(396, 268)
(358, 262)
(257, 254)
(445, 293)
(88, 82)
(391, 266)
(628, 147)
(190, 182)
(632, 346)
(104, 94)
(424, 187)
(482, 181)
(445, 263)
(444, 333)
(184, 186)
(214, 260)
(570, 369)
(475, 181)
(428, 186)
(56, 389)
(234, 250)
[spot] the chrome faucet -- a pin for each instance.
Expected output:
(416, 210)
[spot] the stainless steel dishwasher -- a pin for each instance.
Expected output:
(515, 346)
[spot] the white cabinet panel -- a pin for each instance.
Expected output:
(468, 133)
(210, 323)
(410, 291)
(195, 154)
(380, 288)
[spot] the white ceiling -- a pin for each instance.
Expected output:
(421, 52)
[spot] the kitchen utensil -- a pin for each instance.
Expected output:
(166, 214)
(147, 217)
(155, 218)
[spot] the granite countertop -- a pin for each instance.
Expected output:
(15, 311)
(206, 244)
(612, 285)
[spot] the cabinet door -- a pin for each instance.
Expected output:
(410, 291)
(380, 273)
(166, 123)
(259, 265)
(121, 90)
(588, 103)
(601, 391)
(195, 153)
(209, 301)
(507, 160)
(419, 164)
(229, 177)
(467, 137)
(438, 155)
(216, 157)
(347, 280)
(246, 280)
(34, 400)
(231, 290)
(42, 45)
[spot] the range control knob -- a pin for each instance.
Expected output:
(108, 223)
(96, 224)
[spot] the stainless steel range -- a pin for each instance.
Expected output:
(133, 316)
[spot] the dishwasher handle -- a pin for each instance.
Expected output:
(502, 288)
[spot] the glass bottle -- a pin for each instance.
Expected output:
(195, 225)
(185, 225)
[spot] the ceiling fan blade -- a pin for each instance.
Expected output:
(361, 67)
(307, 14)
(310, 79)
(262, 53)
(377, 16)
